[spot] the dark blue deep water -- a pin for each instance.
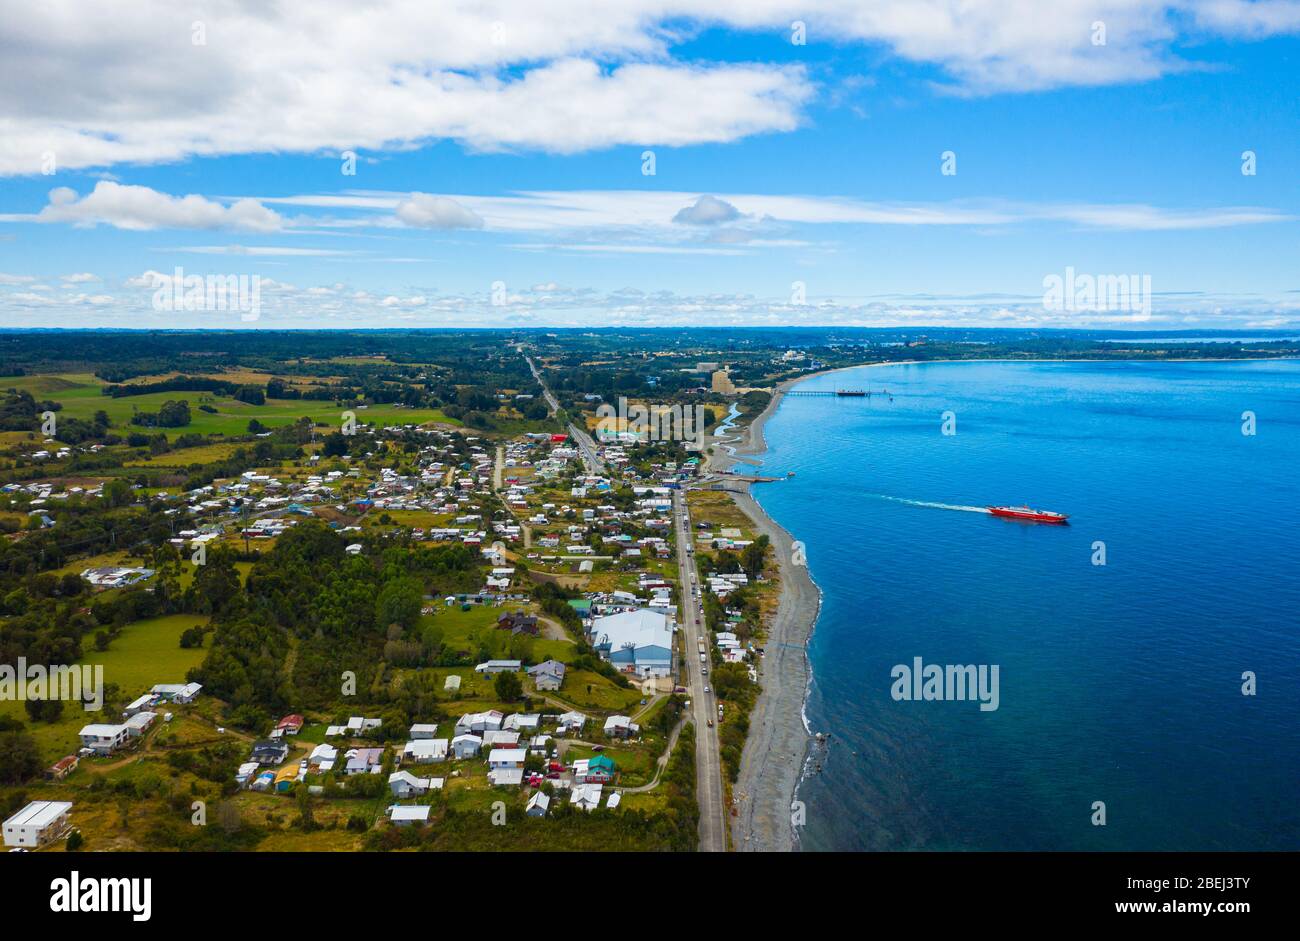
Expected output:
(1119, 683)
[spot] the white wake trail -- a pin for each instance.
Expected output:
(933, 506)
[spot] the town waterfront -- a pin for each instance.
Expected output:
(1119, 682)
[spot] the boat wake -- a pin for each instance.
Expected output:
(933, 506)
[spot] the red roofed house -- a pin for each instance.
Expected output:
(290, 725)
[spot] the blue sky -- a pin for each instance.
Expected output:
(501, 145)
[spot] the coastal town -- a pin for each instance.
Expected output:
(566, 620)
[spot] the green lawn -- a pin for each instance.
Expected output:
(81, 397)
(146, 652)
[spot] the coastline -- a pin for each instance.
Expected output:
(778, 740)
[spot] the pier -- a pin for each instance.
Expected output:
(843, 393)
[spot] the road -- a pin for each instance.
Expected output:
(586, 446)
(704, 706)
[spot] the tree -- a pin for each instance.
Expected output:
(508, 686)
(75, 841)
(399, 602)
(20, 759)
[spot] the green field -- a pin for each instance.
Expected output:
(146, 652)
(80, 395)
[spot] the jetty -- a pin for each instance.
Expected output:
(842, 393)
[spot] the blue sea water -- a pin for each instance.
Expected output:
(1120, 683)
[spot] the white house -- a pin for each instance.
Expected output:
(177, 692)
(620, 727)
(425, 750)
(403, 816)
(538, 804)
(466, 746)
(405, 784)
(499, 666)
(585, 796)
(506, 758)
(479, 722)
(419, 731)
(104, 739)
(37, 824)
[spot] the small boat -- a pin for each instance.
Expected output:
(1025, 513)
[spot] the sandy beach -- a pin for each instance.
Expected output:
(778, 742)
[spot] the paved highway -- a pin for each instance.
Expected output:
(586, 446)
(704, 706)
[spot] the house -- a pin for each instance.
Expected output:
(270, 751)
(363, 760)
(138, 705)
(620, 727)
(639, 641)
(600, 770)
(290, 725)
(323, 757)
(538, 804)
(571, 721)
(246, 772)
(177, 692)
(403, 816)
(506, 777)
(424, 730)
(506, 758)
(405, 784)
(62, 768)
(521, 722)
(614, 800)
(499, 666)
(423, 751)
(37, 824)
(358, 725)
(139, 723)
(452, 684)
(585, 796)
(103, 739)
(548, 675)
(285, 778)
(518, 622)
(479, 721)
(466, 746)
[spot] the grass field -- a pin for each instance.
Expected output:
(146, 652)
(80, 395)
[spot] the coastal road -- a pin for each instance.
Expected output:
(704, 706)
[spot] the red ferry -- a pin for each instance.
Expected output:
(1025, 513)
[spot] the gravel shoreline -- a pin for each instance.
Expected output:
(778, 741)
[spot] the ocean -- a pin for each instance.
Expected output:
(1120, 685)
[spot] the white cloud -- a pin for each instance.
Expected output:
(83, 277)
(436, 212)
(707, 210)
(139, 207)
(104, 84)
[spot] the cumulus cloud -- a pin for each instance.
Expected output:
(139, 208)
(104, 84)
(707, 210)
(83, 277)
(436, 212)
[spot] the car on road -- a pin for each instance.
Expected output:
(706, 689)
(704, 671)
(710, 723)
